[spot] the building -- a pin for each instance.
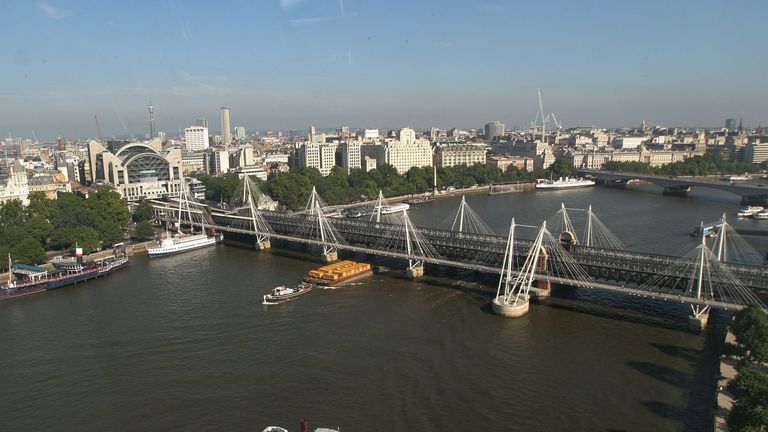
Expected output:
(137, 170)
(402, 154)
(196, 138)
(504, 162)
(226, 132)
(628, 142)
(596, 159)
(14, 183)
(240, 133)
(732, 125)
(218, 162)
(201, 122)
(494, 130)
(349, 155)
(152, 129)
(368, 164)
(316, 155)
(251, 171)
(192, 162)
(755, 153)
(448, 155)
(370, 134)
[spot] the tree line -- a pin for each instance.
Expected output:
(27, 232)
(292, 188)
(750, 387)
(708, 164)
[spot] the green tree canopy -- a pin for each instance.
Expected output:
(144, 230)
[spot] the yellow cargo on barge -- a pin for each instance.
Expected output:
(338, 273)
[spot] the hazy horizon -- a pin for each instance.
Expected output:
(286, 64)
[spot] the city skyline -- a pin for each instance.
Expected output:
(291, 63)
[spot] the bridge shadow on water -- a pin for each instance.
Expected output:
(700, 383)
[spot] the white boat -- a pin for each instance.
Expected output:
(274, 429)
(738, 177)
(564, 183)
(183, 242)
(750, 211)
(395, 208)
(761, 215)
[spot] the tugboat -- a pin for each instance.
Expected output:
(284, 293)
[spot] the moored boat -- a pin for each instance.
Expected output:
(394, 208)
(183, 243)
(761, 215)
(564, 183)
(284, 293)
(38, 279)
(749, 211)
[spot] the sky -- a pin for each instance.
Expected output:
(286, 64)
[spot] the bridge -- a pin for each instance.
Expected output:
(526, 267)
(750, 193)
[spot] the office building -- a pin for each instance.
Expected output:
(226, 132)
(240, 133)
(494, 130)
(218, 162)
(731, 124)
(448, 155)
(755, 153)
(349, 155)
(196, 138)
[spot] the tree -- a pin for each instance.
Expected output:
(41, 206)
(28, 251)
(12, 213)
(144, 230)
(143, 212)
(109, 206)
(750, 327)
(39, 229)
(562, 168)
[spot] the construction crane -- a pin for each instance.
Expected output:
(98, 129)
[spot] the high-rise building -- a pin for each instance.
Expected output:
(494, 130)
(218, 162)
(349, 152)
(151, 110)
(196, 138)
(317, 155)
(202, 122)
(731, 125)
(226, 132)
(240, 133)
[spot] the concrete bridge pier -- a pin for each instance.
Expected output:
(415, 272)
(510, 310)
(329, 257)
(263, 245)
(677, 190)
(541, 289)
(697, 320)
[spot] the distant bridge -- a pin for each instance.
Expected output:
(750, 193)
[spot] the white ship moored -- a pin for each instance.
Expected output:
(564, 183)
(394, 208)
(173, 245)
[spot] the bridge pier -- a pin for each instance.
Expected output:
(414, 272)
(677, 190)
(263, 245)
(510, 310)
(541, 289)
(697, 320)
(329, 257)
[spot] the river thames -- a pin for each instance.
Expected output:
(184, 343)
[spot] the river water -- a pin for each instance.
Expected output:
(184, 343)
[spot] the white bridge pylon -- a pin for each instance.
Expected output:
(545, 257)
(402, 236)
(595, 234)
(318, 226)
(702, 276)
(730, 246)
(259, 225)
(467, 220)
